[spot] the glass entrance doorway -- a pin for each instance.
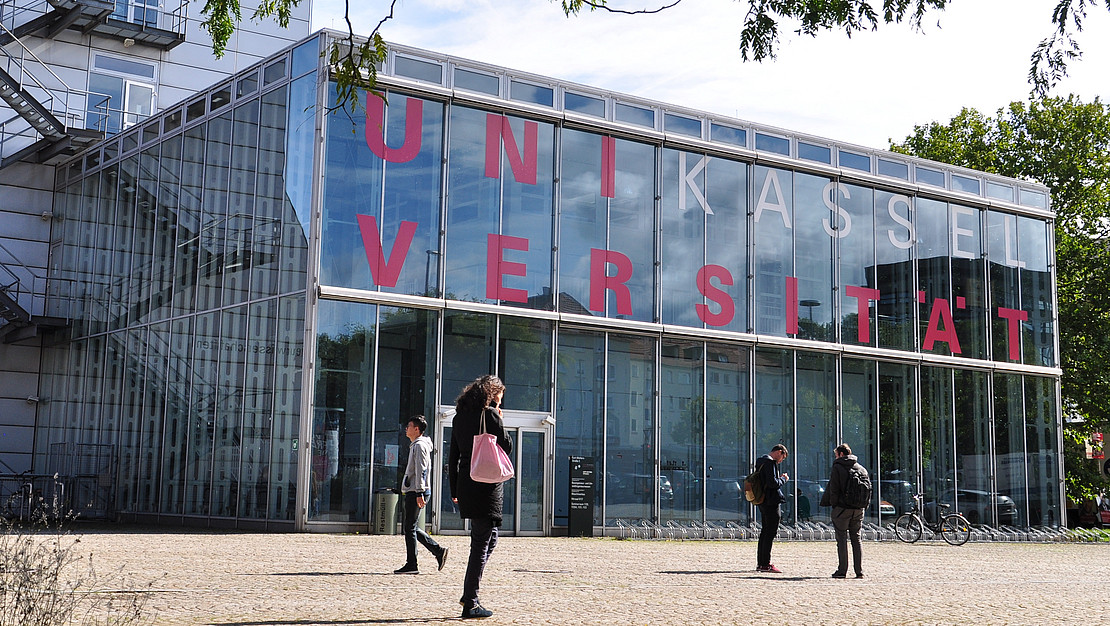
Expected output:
(527, 499)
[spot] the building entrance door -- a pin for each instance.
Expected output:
(527, 495)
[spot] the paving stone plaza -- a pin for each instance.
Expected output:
(256, 579)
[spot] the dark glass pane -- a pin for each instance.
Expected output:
(816, 434)
(773, 236)
(934, 278)
(631, 486)
(524, 363)
(854, 161)
(810, 152)
(860, 427)
(468, 350)
(583, 217)
(476, 81)
(681, 125)
(969, 283)
(854, 225)
(258, 409)
(898, 453)
(1039, 334)
(774, 409)
(769, 143)
(287, 407)
(894, 169)
(974, 496)
(638, 116)
(202, 426)
(814, 266)
(894, 240)
(726, 241)
(420, 70)
(929, 177)
(1042, 451)
(1009, 450)
(684, 211)
(729, 135)
(534, 94)
(727, 432)
(228, 426)
(306, 57)
(681, 428)
(584, 104)
(579, 412)
(938, 454)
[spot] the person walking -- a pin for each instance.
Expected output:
(416, 489)
(767, 466)
(847, 516)
(478, 502)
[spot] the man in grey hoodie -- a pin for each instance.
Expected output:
(847, 519)
(416, 488)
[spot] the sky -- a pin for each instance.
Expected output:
(866, 90)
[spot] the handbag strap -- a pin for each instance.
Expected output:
(483, 425)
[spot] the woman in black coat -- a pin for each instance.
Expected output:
(478, 502)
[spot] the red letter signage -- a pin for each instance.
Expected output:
(864, 297)
(600, 281)
(941, 313)
(382, 273)
(791, 305)
(497, 267)
(524, 167)
(375, 129)
(1014, 318)
(728, 307)
(609, 167)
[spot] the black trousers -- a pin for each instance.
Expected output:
(414, 534)
(848, 523)
(772, 515)
(483, 539)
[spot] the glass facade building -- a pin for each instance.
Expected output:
(271, 285)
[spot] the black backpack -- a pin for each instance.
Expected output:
(857, 488)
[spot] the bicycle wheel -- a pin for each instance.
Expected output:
(955, 529)
(908, 528)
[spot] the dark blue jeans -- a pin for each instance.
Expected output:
(414, 534)
(483, 539)
(772, 515)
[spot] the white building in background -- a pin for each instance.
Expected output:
(71, 73)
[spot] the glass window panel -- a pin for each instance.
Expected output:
(816, 435)
(975, 496)
(769, 143)
(584, 104)
(172, 121)
(631, 486)
(854, 161)
(536, 94)
(1005, 282)
(860, 425)
(524, 362)
(258, 405)
(727, 432)
(682, 430)
(150, 132)
(683, 213)
(420, 70)
(579, 412)
(773, 242)
(894, 169)
(938, 454)
(638, 116)
(247, 85)
(201, 430)
(220, 97)
(476, 81)
(468, 350)
(195, 110)
(681, 125)
(473, 206)
(274, 72)
(241, 227)
(632, 231)
(342, 422)
(963, 183)
(189, 219)
(306, 57)
(1009, 450)
(810, 152)
(929, 177)
(898, 454)
(969, 284)
(527, 222)
(287, 407)
(583, 216)
(1035, 199)
(124, 66)
(726, 244)
(854, 225)
(213, 227)
(299, 163)
(122, 252)
(1039, 332)
(894, 239)
(1000, 191)
(228, 426)
(400, 194)
(272, 214)
(728, 134)
(813, 195)
(934, 278)
(1042, 451)
(175, 446)
(774, 409)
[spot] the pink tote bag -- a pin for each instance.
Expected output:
(488, 462)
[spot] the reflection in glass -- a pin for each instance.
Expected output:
(1009, 447)
(938, 456)
(898, 460)
(774, 409)
(854, 227)
(969, 281)
(727, 432)
(228, 427)
(631, 486)
(860, 427)
(1036, 291)
(682, 427)
(975, 497)
(524, 362)
(579, 406)
(817, 400)
(468, 350)
(814, 267)
(773, 239)
(894, 240)
(1042, 450)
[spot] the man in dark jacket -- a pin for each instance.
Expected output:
(847, 520)
(771, 508)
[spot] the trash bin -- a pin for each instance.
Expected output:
(384, 520)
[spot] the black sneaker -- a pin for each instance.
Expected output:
(407, 569)
(859, 574)
(476, 612)
(839, 575)
(441, 558)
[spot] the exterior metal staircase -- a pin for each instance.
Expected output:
(49, 118)
(23, 307)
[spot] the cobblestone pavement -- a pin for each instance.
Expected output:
(258, 579)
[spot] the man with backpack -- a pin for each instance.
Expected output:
(770, 506)
(848, 493)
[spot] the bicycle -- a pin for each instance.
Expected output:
(953, 527)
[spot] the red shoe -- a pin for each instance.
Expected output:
(772, 569)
